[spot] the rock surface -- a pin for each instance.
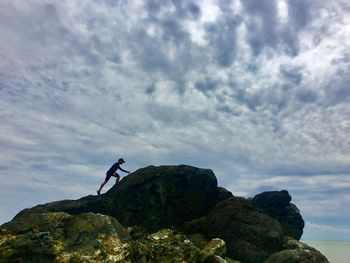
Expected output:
(277, 205)
(61, 237)
(216, 246)
(151, 200)
(165, 246)
(153, 197)
(250, 236)
(296, 252)
(88, 237)
(158, 197)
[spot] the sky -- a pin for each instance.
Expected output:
(256, 90)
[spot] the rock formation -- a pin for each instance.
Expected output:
(160, 214)
(296, 252)
(277, 205)
(250, 236)
(60, 237)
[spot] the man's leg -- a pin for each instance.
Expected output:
(117, 176)
(117, 179)
(103, 184)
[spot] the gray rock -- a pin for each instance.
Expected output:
(60, 237)
(216, 246)
(223, 194)
(297, 252)
(250, 236)
(152, 197)
(149, 200)
(277, 205)
(218, 259)
(199, 239)
(164, 196)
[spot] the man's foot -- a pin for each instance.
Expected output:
(98, 192)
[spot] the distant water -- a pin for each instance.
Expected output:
(335, 251)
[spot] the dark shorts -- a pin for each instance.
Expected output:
(109, 175)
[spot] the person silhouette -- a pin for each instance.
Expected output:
(112, 172)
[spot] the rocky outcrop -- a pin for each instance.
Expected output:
(88, 237)
(61, 237)
(296, 252)
(165, 246)
(216, 246)
(277, 205)
(158, 197)
(153, 197)
(151, 200)
(250, 236)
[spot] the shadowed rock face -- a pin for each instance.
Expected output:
(159, 197)
(250, 236)
(296, 252)
(153, 197)
(277, 205)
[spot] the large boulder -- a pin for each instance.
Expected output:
(216, 246)
(164, 246)
(153, 197)
(250, 236)
(87, 237)
(83, 205)
(277, 205)
(158, 197)
(223, 194)
(297, 252)
(60, 237)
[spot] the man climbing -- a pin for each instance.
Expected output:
(112, 172)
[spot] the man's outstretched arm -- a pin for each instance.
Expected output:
(125, 171)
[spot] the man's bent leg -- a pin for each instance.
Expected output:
(104, 182)
(102, 185)
(117, 179)
(117, 176)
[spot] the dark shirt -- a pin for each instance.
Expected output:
(114, 168)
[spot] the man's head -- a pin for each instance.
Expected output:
(121, 161)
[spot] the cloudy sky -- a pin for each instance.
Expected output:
(256, 90)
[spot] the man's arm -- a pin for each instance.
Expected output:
(125, 171)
